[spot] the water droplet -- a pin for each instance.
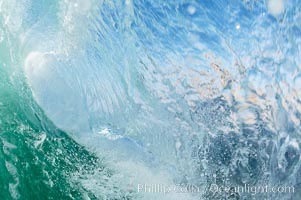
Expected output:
(191, 10)
(275, 7)
(237, 26)
(178, 145)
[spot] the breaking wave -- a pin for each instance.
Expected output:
(100, 96)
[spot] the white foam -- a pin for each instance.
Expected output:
(40, 141)
(295, 144)
(107, 133)
(34, 63)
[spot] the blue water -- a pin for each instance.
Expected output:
(166, 92)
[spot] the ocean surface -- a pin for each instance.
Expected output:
(108, 99)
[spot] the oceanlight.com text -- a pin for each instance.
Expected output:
(213, 188)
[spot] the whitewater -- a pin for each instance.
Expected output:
(150, 99)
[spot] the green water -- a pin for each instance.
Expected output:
(37, 160)
(97, 97)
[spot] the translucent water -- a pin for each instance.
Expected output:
(97, 97)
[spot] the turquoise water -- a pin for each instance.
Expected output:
(99, 97)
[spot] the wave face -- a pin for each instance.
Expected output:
(166, 92)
